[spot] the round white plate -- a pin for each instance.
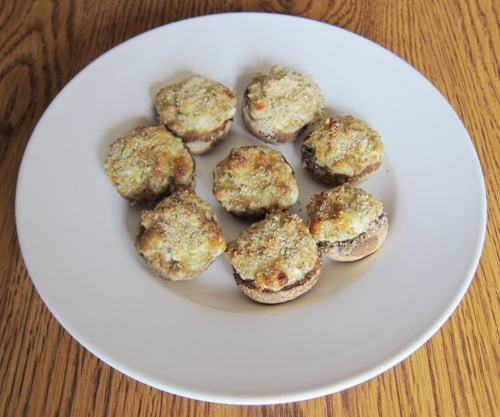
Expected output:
(204, 339)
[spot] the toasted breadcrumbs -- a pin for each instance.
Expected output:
(149, 164)
(344, 144)
(180, 237)
(284, 100)
(195, 105)
(342, 213)
(274, 252)
(255, 178)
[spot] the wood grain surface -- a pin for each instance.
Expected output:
(44, 43)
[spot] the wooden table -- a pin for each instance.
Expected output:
(43, 44)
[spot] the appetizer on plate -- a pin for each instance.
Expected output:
(342, 149)
(275, 259)
(280, 104)
(149, 164)
(198, 110)
(179, 238)
(347, 222)
(252, 180)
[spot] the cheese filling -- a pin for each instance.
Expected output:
(345, 145)
(342, 213)
(195, 104)
(254, 177)
(181, 235)
(284, 100)
(148, 162)
(275, 252)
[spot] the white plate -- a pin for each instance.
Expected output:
(203, 339)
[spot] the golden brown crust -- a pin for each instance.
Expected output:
(198, 110)
(280, 104)
(288, 293)
(275, 259)
(179, 238)
(149, 164)
(342, 149)
(347, 222)
(252, 180)
(277, 137)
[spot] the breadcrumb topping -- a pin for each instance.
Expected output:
(346, 145)
(180, 236)
(274, 252)
(148, 164)
(195, 105)
(284, 100)
(254, 178)
(342, 213)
